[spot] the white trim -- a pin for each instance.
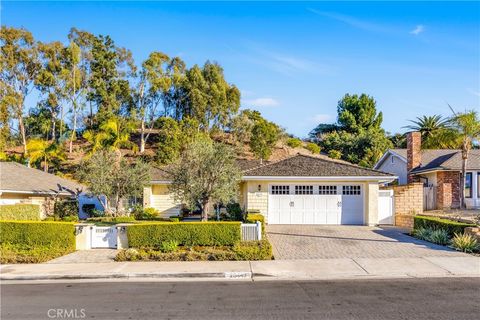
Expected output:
(332, 178)
(383, 158)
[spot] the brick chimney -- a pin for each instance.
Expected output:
(414, 155)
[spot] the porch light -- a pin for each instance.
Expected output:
(259, 187)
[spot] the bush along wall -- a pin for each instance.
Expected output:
(152, 235)
(254, 217)
(435, 223)
(35, 241)
(20, 212)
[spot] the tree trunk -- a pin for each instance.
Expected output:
(45, 164)
(72, 136)
(142, 137)
(205, 209)
(24, 136)
(53, 128)
(61, 121)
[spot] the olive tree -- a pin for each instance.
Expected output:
(108, 173)
(206, 173)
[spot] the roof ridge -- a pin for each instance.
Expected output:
(342, 162)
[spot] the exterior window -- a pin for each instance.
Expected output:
(303, 189)
(468, 185)
(327, 189)
(280, 189)
(351, 190)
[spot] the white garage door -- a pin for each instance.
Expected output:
(315, 204)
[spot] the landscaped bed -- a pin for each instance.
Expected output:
(249, 250)
(191, 241)
(445, 232)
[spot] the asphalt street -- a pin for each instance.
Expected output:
(434, 298)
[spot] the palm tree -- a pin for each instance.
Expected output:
(433, 130)
(45, 152)
(113, 135)
(467, 127)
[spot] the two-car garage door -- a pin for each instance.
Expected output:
(315, 204)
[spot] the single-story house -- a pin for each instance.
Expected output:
(300, 189)
(21, 184)
(438, 169)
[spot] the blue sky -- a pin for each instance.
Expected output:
(294, 61)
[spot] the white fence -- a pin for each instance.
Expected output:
(429, 198)
(251, 231)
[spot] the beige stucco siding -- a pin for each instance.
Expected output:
(158, 196)
(371, 204)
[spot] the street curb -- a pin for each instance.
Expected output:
(223, 275)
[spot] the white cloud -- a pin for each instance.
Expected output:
(418, 29)
(474, 92)
(321, 118)
(351, 21)
(262, 102)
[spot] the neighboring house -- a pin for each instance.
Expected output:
(20, 184)
(299, 189)
(439, 169)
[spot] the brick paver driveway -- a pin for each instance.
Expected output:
(320, 242)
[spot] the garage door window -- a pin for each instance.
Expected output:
(351, 190)
(327, 189)
(280, 189)
(303, 189)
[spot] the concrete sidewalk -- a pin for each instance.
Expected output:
(466, 266)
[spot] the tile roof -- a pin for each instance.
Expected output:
(312, 166)
(17, 177)
(444, 159)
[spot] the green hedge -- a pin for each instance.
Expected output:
(435, 223)
(20, 212)
(151, 235)
(30, 233)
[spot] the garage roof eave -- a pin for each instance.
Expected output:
(328, 178)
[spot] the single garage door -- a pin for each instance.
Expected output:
(315, 204)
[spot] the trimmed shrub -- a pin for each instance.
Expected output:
(294, 142)
(253, 250)
(235, 212)
(147, 214)
(112, 220)
(20, 212)
(58, 234)
(434, 223)
(168, 246)
(151, 235)
(313, 148)
(422, 233)
(33, 242)
(465, 242)
(439, 236)
(65, 208)
(175, 218)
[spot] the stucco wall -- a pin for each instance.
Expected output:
(371, 204)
